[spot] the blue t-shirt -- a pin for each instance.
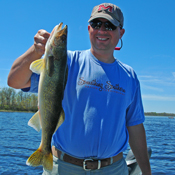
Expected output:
(100, 101)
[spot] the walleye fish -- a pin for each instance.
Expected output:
(53, 76)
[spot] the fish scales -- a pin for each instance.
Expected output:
(52, 98)
(53, 71)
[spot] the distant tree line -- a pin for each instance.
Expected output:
(158, 114)
(11, 99)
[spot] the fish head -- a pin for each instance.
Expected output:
(57, 43)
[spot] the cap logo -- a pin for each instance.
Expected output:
(102, 7)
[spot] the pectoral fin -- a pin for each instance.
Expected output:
(37, 66)
(35, 122)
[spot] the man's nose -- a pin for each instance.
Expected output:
(103, 28)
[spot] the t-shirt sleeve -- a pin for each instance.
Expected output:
(35, 77)
(34, 84)
(135, 112)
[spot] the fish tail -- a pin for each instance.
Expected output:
(41, 158)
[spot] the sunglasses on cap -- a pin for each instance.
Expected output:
(96, 24)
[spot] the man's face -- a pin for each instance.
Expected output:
(102, 39)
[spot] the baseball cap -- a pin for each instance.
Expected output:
(108, 11)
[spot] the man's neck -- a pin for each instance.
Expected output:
(103, 56)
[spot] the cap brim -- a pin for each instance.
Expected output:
(106, 16)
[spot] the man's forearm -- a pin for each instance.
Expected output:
(137, 141)
(19, 75)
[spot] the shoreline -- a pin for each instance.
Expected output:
(16, 111)
(164, 114)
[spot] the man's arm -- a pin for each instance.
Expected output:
(137, 141)
(19, 75)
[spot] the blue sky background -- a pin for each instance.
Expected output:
(149, 40)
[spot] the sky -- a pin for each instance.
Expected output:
(148, 42)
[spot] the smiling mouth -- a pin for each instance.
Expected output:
(102, 39)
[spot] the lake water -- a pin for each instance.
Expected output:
(18, 141)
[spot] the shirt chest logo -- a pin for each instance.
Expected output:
(107, 86)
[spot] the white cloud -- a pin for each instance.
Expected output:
(152, 88)
(146, 76)
(173, 74)
(149, 78)
(158, 98)
(158, 80)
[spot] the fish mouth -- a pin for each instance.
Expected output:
(58, 33)
(59, 30)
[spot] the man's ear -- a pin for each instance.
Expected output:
(122, 31)
(88, 27)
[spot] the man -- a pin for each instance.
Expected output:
(102, 101)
